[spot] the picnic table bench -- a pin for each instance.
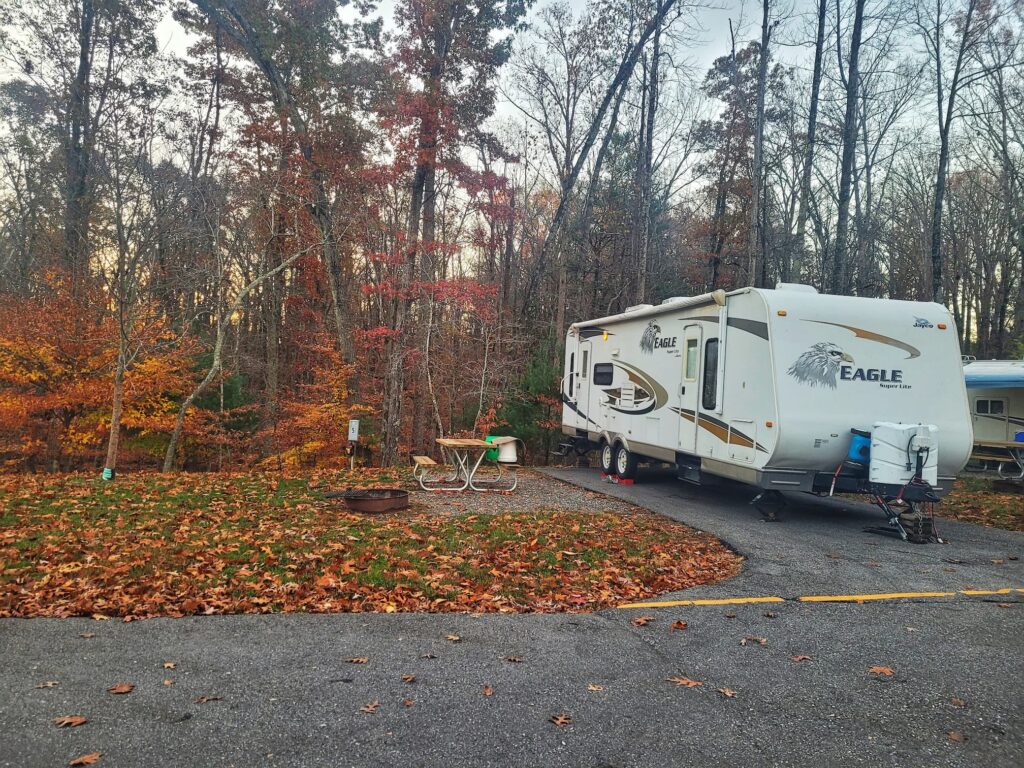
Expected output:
(466, 455)
(1006, 453)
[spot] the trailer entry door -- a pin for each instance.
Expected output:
(583, 379)
(689, 389)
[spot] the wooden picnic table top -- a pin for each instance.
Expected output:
(462, 442)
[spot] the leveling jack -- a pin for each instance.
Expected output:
(769, 503)
(913, 524)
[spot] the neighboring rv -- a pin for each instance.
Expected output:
(996, 391)
(784, 389)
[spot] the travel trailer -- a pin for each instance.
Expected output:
(996, 392)
(785, 389)
(995, 389)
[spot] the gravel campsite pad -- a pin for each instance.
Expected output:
(173, 545)
(535, 491)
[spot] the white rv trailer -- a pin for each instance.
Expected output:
(996, 389)
(764, 387)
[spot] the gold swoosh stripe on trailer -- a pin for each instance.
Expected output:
(862, 333)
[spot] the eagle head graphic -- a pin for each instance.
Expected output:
(650, 334)
(819, 365)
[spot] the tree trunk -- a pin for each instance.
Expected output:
(116, 409)
(78, 152)
(840, 271)
(756, 246)
(812, 131)
(647, 185)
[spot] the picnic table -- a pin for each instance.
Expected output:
(466, 455)
(1005, 452)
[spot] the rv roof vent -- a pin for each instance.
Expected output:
(637, 307)
(797, 287)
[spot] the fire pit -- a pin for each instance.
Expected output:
(372, 499)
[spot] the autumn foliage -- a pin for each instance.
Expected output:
(57, 356)
(192, 544)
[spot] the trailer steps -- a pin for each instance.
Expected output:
(690, 473)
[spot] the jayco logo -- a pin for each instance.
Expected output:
(651, 340)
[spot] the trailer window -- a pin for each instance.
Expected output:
(572, 374)
(692, 350)
(583, 368)
(709, 398)
(990, 407)
(603, 374)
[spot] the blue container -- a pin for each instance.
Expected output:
(1019, 437)
(860, 446)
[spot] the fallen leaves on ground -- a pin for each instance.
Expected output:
(121, 688)
(370, 708)
(727, 692)
(594, 687)
(453, 638)
(981, 501)
(514, 659)
(488, 691)
(956, 701)
(87, 635)
(358, 660)
(408, 678)
(749, 639)
(799, 658)
(678, 625)
(730, 615)
(170, 665)
(204, 699)
(407, 702)
(69, 721)
(956, 736)
(886, 671)
(561, 719)
(770, 614)
(88, 759)
(168, 681)
(685, 681)
(642, 621)
(48, 684)
(152, 545)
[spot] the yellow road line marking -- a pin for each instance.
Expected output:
(862, 598)
(819, 598)
(724, 601)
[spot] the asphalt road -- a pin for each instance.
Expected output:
(287, 696)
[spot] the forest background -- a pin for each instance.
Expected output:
(216, 251)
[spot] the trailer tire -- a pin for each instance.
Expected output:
(607, 458)
(625, 463)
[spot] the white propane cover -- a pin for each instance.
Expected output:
(894, 450)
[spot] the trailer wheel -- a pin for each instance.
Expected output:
(625, 463)
(607, 458)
